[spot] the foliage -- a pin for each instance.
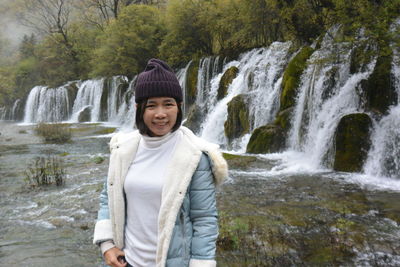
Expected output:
(54, 133)
(98, 159)
(128, 42)
(188, 31)
(43, 171)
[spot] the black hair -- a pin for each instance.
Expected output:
(142, 127)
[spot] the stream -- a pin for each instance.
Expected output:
(269, 215)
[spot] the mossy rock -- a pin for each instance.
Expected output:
(283, 119)
(379, 89)
(72, 89)
(191, 82)
(237, 123)
(291, 77)
(107, 86)
(226, 80)
(352, 142)
(85, 115)
(194, 118)
(239, 161)
(266, 139)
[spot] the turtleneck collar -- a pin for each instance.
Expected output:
(155, 142)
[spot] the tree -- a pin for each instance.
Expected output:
(188, 31)
(128, 42)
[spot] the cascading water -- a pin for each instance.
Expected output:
(264, 67)
(182, 78)
(208, 69)
(47, 105)
(89, 96)
(384, 156)
(327, 93)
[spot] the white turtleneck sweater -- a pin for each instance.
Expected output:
(143, 187)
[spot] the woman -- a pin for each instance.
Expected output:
(158, 206)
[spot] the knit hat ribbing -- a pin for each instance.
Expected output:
(158, 79)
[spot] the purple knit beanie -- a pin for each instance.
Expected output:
(158, 79)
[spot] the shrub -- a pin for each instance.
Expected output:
(54, 133)
(45, 171)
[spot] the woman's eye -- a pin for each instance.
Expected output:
(149, 106)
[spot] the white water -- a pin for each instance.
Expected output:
(264, 66)
(89, 95)
(182, 78)
(47, 105)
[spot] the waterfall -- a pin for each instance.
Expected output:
(327, 92)
(15, 109)
(115, 98)
(384, 157)
(3, 113)
(182, 78)
(89, 95)
(264, 67)
(208, 69)
(127, 110)
(47, 105)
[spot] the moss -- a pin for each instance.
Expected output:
(352, 142)
(283, 119)
(194, 119)
(226, 80)
(191, 82)
(266, 139)
(105, 131)
(291, 77)
(379, 88)
(237, 123)
(239, 161)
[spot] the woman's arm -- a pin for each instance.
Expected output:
(204, 216)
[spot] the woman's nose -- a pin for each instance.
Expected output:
(160, 114)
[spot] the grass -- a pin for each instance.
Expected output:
(54, 132)
(44, 171)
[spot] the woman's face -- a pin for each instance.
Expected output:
(160, 115)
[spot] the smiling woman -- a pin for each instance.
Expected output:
(158, 205)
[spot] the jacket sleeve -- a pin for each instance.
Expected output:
(103, 229)
(204, 217)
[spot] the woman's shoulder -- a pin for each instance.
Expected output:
(120, 138)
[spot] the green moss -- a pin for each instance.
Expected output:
(105, 131)
(283, 119)
(352, 142)
(291, 77)
(379, 87)
(226, 80)
(360, 56)
(239, 161)
(266, 139)
(237, 123)
(191, 82)
(98, 159)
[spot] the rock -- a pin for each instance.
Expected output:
(85, 114)
(194, 119)
(379, 89)
(191, 83)
(226, 80)
(266, 139)
(237, 123)
(283, 119)
(352, 142)
(291, 77)
(361, 56)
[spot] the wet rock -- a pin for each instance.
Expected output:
(85, 114)
(191, 83)
(361, 55)
(379, 90)
(291, 77)
(266, 139)
(194, 119)
(352, 142)
(226, 80)
(237, 123)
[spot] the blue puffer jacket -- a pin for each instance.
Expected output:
(188, 226)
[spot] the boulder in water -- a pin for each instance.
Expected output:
(266, 139)
(194, 119)
(291, 77)
(352, 142)
(85, 114)
(237, 123)
(226, 80)
(191, 83)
